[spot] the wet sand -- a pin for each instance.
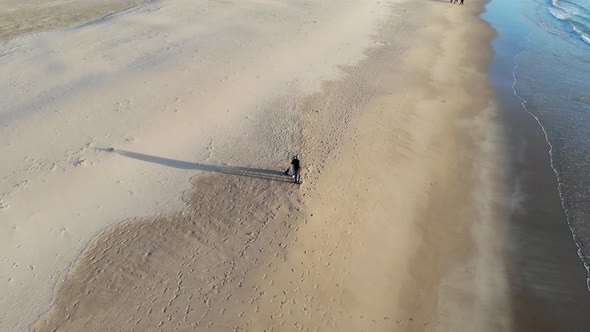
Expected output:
(547, 278)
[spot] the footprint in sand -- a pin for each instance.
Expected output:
(81, 162)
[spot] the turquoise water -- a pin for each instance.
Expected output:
(545, 47)
(576, 15)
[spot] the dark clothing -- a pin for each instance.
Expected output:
(296, 168)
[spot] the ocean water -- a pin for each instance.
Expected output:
(576, 15)
(549, 44)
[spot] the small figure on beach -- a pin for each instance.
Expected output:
(296, 169)
(462, 1)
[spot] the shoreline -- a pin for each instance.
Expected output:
(547, 276)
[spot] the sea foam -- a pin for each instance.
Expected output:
(559, 14)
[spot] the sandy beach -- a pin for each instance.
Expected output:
(143, 187)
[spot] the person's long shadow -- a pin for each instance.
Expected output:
(258, 173)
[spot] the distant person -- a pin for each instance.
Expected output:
(462, 1)
(296, 169)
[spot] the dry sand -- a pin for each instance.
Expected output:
(397, 226)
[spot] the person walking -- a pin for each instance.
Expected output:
(296, 169)
(462, 2)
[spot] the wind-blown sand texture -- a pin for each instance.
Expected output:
(397, 225)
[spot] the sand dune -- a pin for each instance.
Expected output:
(172, 124)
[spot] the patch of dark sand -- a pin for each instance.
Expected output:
(199, 268)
